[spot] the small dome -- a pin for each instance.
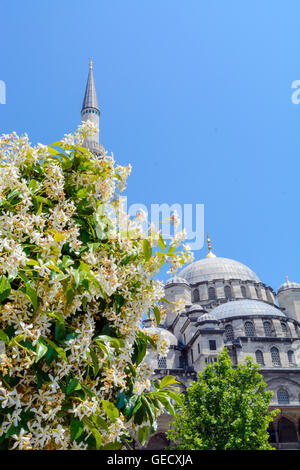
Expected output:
(209, 269)
(195, 308)
(163, 333)
(176, 280)
(241, 308)
(207, 317)
(288, 285)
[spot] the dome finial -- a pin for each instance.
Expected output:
(210, 253)
(287, 278)
(91, 64)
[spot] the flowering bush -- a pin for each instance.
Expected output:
(76, 277)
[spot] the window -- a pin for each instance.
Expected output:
(199, 348)
(259, 357)
(243, 290)
(283, 397)
(211, 293)
(196, 296)
(227, 291)
(258, 293)
(212, 345)
(284, 328)
(249, 328)
(291, 357)
(162, 362)
(229, 332)
(275, 356)
(268, 328)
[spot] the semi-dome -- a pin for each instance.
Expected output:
(209, 269)
(243, 308)
(195, 308)
(288, 285)
(163, 333)
(207, 317)
(176, 280)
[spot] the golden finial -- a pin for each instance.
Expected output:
(287, 278)
(210, 253)
(91, 64)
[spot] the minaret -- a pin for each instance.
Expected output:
(90, 111)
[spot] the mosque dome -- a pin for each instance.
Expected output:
(211, 268)
(241, 308)
(288, 285)
(164, 334)
(176, 280)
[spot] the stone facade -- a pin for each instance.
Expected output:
(228, 305)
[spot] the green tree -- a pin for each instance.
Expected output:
(227, 408)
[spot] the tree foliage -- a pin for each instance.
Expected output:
(227, 408)
(75, 282)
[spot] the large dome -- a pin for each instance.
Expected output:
(209, 269)
(241, 308)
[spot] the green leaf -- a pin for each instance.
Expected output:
(161, 243)
(70, 293)
(100, 422)
(156, 312)
(167, 380)
(143, 434)
(76, 428)
(57, 349)
(95, 361)
(32, 295)
(147, 249)
(41, 349)
(95, 432)
(110, 409)
(74, 384)
(4, 288)
(166, 402)
(4, 337)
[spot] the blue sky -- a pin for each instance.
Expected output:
(196, 95)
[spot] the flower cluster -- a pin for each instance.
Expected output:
(74, 287)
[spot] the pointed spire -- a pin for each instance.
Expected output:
(210, 253)
(90, 97)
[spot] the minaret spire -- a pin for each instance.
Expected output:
(91, 111)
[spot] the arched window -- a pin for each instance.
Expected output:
(284, 328)
(275, 356)
(196, 296)
(272, 433)
(258, 293)
(249, 328)
(259, 357)
(268, 328)
(291, 357)
(283, 397)
(244, 292)
(162, 362)
(286, 431)
(229, 333)
(227, 291)
(211, 293)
